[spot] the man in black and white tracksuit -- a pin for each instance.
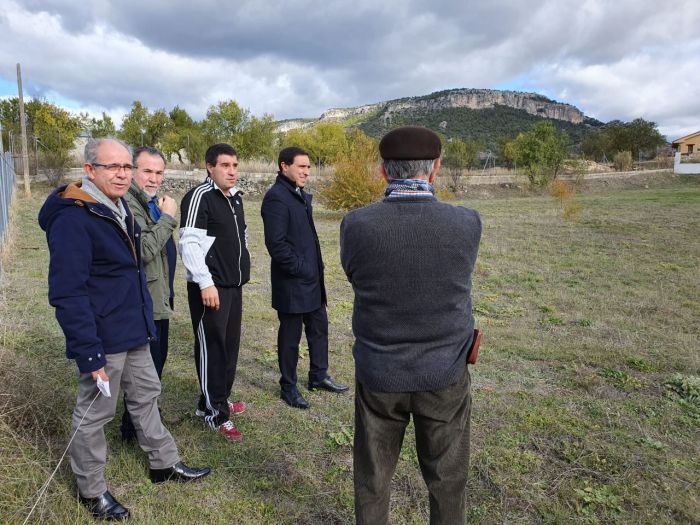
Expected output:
(213, 247)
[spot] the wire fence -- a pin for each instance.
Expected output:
(7, 186)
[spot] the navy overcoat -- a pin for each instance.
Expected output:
(296, 268)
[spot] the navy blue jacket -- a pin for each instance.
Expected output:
(290, 236)
(96, 278)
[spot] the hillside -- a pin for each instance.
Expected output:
(470, 114)
(488, 124)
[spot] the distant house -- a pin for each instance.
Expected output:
(687, 145)
(687, 157)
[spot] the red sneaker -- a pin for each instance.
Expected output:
(229, 431)
(236, 408)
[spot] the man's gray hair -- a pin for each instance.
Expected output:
(149, 150)
(408, 169)
(93, 144)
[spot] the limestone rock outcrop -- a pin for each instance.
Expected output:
(532, 103)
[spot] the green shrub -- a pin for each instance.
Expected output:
(356, 181)
(56, 164)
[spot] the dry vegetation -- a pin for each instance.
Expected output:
(586, 396)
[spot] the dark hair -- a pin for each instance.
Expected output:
(212, 154)
(287, 156)
(150, 150)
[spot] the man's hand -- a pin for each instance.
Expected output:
(101, 372)
(210, 297)
(167, 205)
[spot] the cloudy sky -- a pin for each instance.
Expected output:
(613, 59)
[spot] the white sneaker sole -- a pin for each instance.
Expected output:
(202, 413)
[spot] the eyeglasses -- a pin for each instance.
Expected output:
(113, 168)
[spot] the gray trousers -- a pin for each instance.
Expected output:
(441, 420)
(134, 372)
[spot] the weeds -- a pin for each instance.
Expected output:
(685, 387)
(341, 438)
(565, 194)
(602, 498)
(620, 379)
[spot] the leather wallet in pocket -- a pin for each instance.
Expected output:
(473, 353)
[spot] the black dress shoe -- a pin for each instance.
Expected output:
(327, 384)
(105, 507)
(294, 399)
(178, 472)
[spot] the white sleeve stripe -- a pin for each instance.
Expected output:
(194, 245)
(194, 205)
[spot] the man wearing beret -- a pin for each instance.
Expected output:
(410, 260)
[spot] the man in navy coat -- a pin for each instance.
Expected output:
(298, 291)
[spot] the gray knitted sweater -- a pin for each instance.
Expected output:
(410, 264)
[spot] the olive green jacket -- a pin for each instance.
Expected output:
(154, 235)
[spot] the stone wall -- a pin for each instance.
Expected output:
(180, 183)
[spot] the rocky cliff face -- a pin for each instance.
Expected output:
(286, 125)
(345, 113)
(531, 103)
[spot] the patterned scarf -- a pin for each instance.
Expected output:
(408, 188)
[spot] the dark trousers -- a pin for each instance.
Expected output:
(441, 420)
(288, 337)
(159, 353)
(217, 338)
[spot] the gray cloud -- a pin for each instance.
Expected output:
(299, 58)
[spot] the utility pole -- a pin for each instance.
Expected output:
(36, 154)
(23, 127)
(2, 155)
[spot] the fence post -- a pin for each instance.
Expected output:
(23, 128)
(2, 156)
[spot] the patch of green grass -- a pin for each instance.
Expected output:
(554, 320)
(640, 364)
(593, 500)
(620, 379)
(652, 443)
(340, 438)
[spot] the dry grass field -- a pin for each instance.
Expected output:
(586, 395)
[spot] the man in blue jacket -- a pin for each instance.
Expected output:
(298, 290)
(98, 287)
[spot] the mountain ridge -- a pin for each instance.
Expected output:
(471, 98)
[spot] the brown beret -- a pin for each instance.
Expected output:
(410, 143)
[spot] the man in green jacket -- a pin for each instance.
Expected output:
(156, 217)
